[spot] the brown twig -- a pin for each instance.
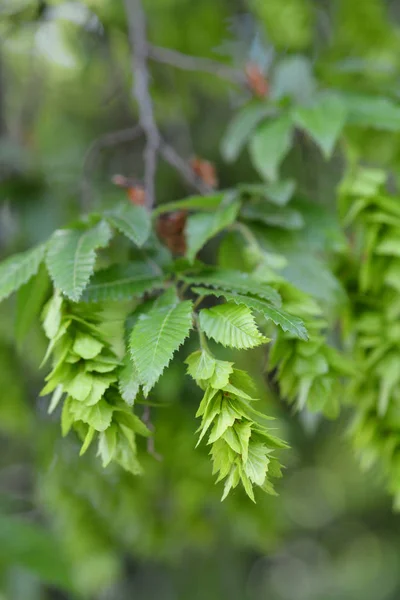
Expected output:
(194, 63)
(137, 35)
(105, 141)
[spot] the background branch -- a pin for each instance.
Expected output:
(89, 162)
(137, 35)
(194, 63)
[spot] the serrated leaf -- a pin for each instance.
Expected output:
(30, 299)
(231, 325)
(71, 257)
(286, 321)
(156, 337)
(269, 145)
(131, 220)
(235, 281)
(98, 416)
(128, 381)
(18, 270)
(201, 365)
(323, 120)
(256, 466)
(122, 282)
(240, 128)
(201, 227)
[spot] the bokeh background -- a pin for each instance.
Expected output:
(68, 529)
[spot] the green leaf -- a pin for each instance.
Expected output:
(30, 299)
(231, 482)
(131, 220)
(55, 399)
(200, 228)
(222, 372)
(121, 282)
(128, 419)
(278, 192)
(256, 466)
(17, 270)
(376, 112)
(52, 315)
(128, 381)
(287, 322)
(100, 384)
(80, 386)
(286, 218)
(86, 346)
(98, 416)
(235, 281)
(269, 145)
(243, 432)
(156, 337)
(241, 127)
(107, 445)
(231, 325)
(201, 365)
(225, 419)
(323, 120)
(88, 440)
(203, 203)
(71, 257)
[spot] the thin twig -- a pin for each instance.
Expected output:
(170, 156)
(105, 141)
(194, 63)
(137, 35)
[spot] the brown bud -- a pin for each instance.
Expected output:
(135, 191)
(205, 171)
(256, 80)
(171, 231)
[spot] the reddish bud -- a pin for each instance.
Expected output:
(256, 80)
(205, 171)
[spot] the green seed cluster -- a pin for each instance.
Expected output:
(95, 388)
(373, 320)
(309, 373)
(241, 445)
